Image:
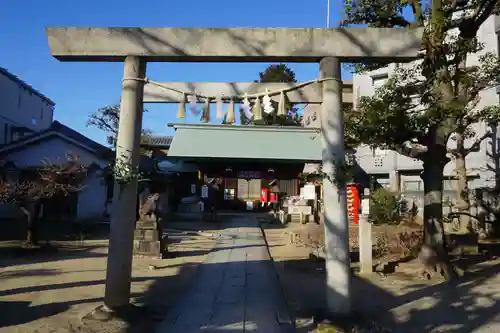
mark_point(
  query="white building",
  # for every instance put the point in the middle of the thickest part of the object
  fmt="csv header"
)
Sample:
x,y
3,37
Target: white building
x,y
23,110
403,173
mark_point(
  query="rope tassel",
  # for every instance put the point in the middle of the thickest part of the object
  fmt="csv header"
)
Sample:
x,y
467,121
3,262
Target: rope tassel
x,y
245,106
282,105
267,103
181,112
218,108
257,110
230,117
205,117
193,105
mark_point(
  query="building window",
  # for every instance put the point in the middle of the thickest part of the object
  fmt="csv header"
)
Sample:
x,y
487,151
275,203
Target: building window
x,y
41,113
380,152
498,43
385,183
378,156
229,193
378,162
379,81
16,136
415,185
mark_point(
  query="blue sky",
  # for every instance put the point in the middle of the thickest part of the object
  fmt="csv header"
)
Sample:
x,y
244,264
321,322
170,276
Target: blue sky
x,y
81,88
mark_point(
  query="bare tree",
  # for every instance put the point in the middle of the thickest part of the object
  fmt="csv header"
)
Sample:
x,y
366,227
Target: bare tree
x,y
107,119
41,183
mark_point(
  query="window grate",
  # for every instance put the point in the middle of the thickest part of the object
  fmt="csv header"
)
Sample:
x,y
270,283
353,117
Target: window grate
x,y
378,162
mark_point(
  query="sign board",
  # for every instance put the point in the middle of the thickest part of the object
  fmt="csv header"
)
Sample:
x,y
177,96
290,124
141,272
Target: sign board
x,y
249,205
249,174
309,192
204,191
193,189
306,210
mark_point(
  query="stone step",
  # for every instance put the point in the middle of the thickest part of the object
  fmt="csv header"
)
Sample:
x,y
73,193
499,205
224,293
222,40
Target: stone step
x,y
149,225
148,248
147,235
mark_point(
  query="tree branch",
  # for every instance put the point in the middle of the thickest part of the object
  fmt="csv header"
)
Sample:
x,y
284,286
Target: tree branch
x,y
417,12
409,149
470,26
476,145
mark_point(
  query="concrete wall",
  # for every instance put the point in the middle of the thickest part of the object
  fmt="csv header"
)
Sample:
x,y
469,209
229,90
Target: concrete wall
x,y
21,105
91,199
390,162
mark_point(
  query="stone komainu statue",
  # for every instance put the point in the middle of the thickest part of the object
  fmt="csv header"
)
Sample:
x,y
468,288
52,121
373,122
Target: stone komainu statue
x,y
148,205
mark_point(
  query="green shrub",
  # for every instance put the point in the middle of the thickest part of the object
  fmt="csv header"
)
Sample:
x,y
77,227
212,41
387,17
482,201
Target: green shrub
x,y
384,207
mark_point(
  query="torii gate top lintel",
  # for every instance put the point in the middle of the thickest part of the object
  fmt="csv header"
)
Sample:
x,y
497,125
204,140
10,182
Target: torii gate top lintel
x,y
235,44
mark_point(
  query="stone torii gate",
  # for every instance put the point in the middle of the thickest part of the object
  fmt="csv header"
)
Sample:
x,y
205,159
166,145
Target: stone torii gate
x,y
137,46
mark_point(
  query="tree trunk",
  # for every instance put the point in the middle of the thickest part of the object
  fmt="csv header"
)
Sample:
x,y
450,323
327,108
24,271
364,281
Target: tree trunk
x,y
462,187
31,225
462,190
434,241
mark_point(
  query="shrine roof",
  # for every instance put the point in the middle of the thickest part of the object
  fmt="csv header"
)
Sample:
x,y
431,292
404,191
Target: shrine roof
x,y
157,141
277,143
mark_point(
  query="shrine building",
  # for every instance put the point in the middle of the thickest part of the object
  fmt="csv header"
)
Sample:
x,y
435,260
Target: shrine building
x,y
240,159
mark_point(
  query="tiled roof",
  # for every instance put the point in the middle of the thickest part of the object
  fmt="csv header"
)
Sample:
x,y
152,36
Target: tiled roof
x,y
289,143
162,141
64,130
71,133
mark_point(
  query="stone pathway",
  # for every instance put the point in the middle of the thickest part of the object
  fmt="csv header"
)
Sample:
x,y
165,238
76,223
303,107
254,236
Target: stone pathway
x,y
236,289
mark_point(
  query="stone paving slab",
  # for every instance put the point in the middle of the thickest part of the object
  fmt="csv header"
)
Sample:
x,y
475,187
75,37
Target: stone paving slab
x,y
235,290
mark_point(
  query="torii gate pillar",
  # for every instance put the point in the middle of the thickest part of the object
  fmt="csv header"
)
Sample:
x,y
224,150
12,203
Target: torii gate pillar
x,y
338,280
123,217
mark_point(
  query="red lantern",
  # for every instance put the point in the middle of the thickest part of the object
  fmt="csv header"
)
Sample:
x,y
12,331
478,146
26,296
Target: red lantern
x,y
263,195
274,197
353,203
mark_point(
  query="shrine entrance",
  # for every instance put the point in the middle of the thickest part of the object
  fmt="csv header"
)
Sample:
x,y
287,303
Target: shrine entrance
x,y
328,47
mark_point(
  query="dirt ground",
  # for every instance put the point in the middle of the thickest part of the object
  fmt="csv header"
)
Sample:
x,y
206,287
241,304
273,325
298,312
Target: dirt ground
x,y
399,302
50,292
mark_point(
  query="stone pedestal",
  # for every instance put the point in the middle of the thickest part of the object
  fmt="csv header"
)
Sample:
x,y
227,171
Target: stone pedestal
x,y
365,245
148,240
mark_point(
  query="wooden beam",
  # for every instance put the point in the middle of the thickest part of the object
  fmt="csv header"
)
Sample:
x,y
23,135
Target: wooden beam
x,y
235,44
310,94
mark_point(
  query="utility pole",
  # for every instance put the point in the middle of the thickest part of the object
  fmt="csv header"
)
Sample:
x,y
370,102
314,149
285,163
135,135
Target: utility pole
x,y
328,14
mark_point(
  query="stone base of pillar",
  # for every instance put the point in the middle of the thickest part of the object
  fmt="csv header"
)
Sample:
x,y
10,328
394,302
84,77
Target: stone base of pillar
x,y
148,241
